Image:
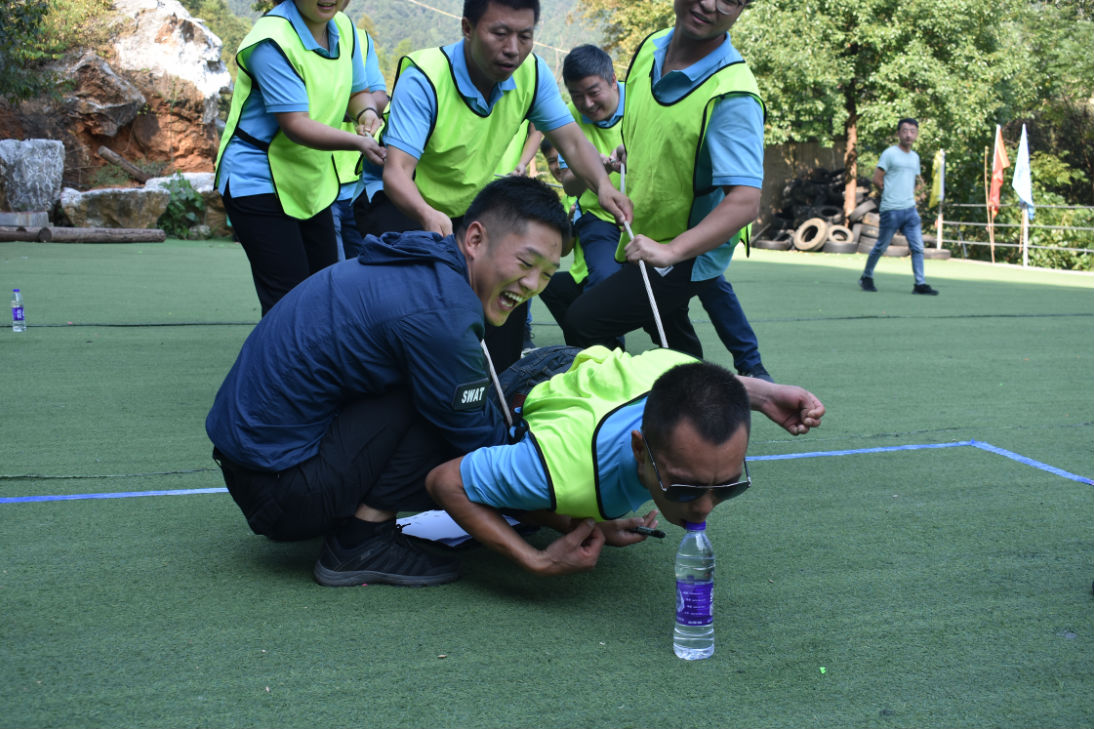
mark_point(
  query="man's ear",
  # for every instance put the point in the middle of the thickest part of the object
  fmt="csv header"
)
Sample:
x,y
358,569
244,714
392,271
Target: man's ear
x,y
466,28
637,447
474,240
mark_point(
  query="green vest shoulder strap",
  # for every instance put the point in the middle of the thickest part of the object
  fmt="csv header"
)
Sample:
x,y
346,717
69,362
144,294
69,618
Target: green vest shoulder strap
x,y
348,163
462,153
565,413
305,179
654,131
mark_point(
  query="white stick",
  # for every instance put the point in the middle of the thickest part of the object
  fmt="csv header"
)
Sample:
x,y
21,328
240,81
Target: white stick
x,y
642,268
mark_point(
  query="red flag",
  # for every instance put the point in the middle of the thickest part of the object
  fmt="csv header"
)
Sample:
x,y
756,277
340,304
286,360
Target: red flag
x,y
999,164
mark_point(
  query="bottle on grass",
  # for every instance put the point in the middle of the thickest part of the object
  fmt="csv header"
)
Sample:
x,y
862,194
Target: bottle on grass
x,y
18,323
693,637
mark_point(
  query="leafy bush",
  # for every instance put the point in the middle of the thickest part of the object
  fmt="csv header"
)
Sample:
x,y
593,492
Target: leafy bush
x,y
185,209
35,32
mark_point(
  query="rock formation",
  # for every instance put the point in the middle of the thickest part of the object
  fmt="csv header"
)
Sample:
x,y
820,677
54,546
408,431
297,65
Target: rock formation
x,y
155,101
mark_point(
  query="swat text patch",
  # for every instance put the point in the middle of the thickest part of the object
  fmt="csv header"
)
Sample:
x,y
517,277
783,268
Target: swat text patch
x,y
471,396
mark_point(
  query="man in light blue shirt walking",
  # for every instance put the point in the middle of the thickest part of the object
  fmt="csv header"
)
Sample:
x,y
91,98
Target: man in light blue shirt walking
x,y
896,176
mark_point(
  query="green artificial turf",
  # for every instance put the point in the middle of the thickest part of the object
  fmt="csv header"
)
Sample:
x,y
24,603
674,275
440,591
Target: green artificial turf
x,y
935,587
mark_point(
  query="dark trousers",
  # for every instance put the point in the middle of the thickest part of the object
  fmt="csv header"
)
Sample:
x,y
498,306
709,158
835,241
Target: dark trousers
x,y
729,320
377,451
382,216
283,251
619,304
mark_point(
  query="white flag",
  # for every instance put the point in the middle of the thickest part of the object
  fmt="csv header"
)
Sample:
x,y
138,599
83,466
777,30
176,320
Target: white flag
x,y
1023,179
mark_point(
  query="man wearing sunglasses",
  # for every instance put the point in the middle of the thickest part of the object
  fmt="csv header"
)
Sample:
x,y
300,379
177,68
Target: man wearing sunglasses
x,y
607,436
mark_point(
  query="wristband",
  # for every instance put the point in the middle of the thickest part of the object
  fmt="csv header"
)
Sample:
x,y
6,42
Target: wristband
x,y
357,119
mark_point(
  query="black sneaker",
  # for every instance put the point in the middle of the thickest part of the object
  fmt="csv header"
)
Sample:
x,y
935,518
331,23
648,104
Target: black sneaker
x,y
924,289
388,557
866,283
759,372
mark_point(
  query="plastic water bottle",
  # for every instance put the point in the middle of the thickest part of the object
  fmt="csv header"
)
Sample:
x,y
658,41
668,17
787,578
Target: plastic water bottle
x,y
693,637
18,323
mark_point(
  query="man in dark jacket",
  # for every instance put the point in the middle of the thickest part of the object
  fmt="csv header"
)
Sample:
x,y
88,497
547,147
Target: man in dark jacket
x,y
370,373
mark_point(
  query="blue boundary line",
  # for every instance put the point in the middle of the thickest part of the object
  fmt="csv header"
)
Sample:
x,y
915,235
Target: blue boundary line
x,y
988,447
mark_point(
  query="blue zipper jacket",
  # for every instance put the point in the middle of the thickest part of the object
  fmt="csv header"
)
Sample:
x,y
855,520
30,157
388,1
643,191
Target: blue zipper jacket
x,y
400,315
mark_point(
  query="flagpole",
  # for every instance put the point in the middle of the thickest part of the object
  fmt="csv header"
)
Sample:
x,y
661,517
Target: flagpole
x,y
987,206
1025,237
938,236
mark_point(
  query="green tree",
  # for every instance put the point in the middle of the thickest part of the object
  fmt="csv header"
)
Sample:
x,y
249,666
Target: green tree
x,y
20,23
850,69
36,32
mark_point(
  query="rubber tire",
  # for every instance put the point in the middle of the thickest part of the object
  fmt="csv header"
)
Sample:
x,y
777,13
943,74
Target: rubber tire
x,y
856,232
831,213
804,242
843,246
872,218
866,243
939,254
866,206
870,230
779,244
840,234
896,251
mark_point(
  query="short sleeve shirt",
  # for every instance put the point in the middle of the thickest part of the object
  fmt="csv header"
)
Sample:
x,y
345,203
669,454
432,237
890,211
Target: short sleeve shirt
x,y
901,170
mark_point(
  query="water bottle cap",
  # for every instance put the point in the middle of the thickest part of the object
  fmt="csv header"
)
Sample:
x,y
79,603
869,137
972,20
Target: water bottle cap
x,y
15,291
693,526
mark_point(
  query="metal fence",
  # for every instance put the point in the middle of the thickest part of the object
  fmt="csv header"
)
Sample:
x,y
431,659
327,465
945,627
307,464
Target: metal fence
x,y
1025,229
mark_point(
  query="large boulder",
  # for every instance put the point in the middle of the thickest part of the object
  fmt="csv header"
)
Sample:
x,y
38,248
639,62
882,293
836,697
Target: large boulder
x,y
102,102
30,174
118,207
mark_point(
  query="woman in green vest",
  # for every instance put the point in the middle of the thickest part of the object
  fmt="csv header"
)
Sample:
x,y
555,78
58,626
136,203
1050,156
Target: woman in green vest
x,y
301,74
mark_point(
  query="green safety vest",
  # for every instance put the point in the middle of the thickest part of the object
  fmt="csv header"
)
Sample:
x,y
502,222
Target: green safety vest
x,y
566,412
511,157
305,179
463,149
605,139
653,132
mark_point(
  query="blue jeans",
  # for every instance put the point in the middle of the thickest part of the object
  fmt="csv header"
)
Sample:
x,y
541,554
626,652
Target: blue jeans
x,y
530,370
731,324
906,221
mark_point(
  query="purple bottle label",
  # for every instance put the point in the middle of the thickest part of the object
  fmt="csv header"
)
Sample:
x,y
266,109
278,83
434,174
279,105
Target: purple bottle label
x,y
17,313
694,603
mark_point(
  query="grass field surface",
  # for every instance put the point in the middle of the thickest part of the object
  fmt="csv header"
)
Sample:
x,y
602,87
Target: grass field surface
x,y
924,559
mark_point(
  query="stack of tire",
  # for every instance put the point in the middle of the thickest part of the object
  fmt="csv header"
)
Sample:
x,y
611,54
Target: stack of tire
x,y
811,218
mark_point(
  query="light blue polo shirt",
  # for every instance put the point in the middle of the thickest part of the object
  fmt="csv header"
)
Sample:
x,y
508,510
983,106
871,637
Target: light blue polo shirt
x,y
414,104
733,150
277,89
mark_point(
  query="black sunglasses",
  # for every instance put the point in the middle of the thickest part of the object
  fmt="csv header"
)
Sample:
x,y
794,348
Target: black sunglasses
x,y
682,493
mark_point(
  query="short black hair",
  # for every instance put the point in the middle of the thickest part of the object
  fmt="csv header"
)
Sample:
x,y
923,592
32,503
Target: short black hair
x,y
473,10
546,147
907,120
707,395
584,61
514,201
